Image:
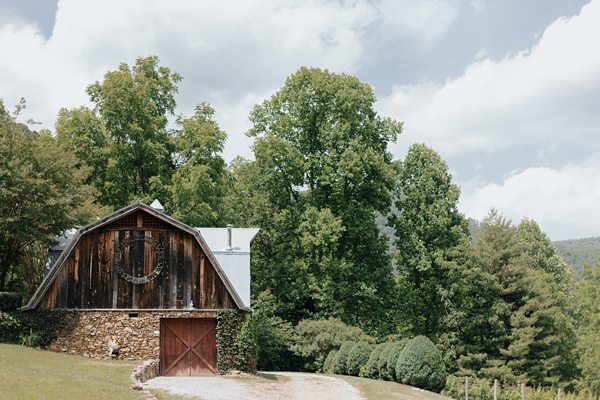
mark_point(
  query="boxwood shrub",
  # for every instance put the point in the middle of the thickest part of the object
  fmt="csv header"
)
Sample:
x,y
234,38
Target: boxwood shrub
x,y
394,353
382,362
420,364
341,358
329,360
372,368
358,356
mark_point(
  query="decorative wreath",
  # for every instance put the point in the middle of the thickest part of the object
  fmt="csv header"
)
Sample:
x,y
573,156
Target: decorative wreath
x,y
156,245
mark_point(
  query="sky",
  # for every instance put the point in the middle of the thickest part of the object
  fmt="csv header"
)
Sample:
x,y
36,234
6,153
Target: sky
x,y
508,92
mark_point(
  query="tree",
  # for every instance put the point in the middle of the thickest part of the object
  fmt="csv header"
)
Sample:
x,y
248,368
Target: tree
x,y
322,160
588,331
200,180
512,321
429,229
42,193
132,105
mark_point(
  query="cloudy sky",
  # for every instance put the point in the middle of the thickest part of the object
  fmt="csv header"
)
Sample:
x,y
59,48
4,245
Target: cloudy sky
x,y
508,91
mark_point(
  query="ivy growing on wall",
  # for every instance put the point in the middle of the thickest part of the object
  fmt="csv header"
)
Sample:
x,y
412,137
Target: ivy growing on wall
x,y
44,323
236,341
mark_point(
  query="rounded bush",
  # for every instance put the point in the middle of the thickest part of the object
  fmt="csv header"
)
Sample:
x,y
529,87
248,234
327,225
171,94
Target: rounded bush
x,y
328,364
357,358
9,327
394,353
372,368
382,362
341,358
420,364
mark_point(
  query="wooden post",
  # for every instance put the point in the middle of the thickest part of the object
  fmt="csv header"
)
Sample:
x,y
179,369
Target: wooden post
x,y
495,389
522,391
467,388
559,394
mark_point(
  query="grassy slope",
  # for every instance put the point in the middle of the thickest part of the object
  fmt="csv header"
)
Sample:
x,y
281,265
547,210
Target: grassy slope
x,y
373,389
27,373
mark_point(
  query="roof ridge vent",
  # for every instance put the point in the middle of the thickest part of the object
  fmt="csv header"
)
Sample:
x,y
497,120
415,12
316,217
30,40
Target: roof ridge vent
x,y
157,206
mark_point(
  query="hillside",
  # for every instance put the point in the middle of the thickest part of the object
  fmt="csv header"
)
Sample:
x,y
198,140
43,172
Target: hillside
x,y
579,252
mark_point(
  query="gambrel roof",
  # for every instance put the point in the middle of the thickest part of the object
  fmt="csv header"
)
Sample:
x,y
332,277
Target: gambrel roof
x,y
138,205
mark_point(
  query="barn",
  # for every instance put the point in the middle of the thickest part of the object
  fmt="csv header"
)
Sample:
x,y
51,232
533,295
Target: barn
x,y
145,285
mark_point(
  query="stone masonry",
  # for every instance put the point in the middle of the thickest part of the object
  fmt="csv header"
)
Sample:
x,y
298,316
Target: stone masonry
x,y
137,332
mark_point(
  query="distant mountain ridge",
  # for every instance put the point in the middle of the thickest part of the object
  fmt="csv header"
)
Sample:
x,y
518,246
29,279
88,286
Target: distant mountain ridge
x,y
579,252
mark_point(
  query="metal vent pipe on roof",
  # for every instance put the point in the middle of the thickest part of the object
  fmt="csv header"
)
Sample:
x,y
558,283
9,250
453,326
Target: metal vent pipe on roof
x,y
229,231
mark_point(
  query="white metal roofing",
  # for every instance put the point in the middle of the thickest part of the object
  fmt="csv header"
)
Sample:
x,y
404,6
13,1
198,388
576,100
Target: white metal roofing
x,y
216,239
234,261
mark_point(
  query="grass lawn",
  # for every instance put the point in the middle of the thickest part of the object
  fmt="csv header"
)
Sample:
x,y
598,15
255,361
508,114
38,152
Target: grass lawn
x,y
373,389
27,373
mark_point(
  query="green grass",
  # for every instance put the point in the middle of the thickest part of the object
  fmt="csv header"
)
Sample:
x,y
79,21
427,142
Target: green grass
x,y
373,389
27,373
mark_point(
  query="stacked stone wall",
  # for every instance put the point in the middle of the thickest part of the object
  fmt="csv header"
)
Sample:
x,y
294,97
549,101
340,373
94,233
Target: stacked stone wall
x,y
136,332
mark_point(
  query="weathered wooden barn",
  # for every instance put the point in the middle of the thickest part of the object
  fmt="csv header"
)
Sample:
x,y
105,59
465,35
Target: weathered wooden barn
x,y
149,286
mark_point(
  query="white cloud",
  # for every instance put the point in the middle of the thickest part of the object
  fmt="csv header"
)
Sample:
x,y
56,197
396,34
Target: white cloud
x,y
550,93
426,20
230,53
564,201
227,52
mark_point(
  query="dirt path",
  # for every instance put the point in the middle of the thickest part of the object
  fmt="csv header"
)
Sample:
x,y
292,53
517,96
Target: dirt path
x,y
272,386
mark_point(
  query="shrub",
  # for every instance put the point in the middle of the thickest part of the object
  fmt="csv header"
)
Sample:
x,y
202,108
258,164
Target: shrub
x,y
316,338
372,369
10,301
358,356
395,350
328,364
382,362
46,323
9,327
275,336
420,364
341,358
32,339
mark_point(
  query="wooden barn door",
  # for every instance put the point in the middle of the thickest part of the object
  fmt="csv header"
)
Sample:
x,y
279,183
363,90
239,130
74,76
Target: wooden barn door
x,y
188,346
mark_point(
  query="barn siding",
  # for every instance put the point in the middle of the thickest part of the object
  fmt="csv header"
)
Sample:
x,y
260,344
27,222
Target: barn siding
x,y
88,279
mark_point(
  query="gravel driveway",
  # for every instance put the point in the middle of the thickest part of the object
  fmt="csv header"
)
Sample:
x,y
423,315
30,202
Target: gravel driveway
x,y
272,386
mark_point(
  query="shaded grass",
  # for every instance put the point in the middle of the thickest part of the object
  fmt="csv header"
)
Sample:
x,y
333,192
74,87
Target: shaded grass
x,y
27,373
373,389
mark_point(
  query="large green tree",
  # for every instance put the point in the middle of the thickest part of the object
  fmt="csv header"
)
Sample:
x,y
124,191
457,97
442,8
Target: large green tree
x,y
512,318
200,179
42,193
431,239
125,138
322,162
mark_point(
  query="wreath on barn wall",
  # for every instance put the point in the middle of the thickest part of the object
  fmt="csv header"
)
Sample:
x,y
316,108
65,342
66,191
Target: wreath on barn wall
x,y
158,248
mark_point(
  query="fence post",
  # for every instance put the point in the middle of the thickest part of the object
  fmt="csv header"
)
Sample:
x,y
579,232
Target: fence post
x,y
559,394
522,391
467,388
496,389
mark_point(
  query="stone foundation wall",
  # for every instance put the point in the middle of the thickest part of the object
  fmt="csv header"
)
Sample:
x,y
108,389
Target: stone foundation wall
x,y
87,333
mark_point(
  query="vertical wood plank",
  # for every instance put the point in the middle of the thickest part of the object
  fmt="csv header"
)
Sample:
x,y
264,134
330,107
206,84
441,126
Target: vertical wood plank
x,y
173,270
115,275
202,288
187,265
